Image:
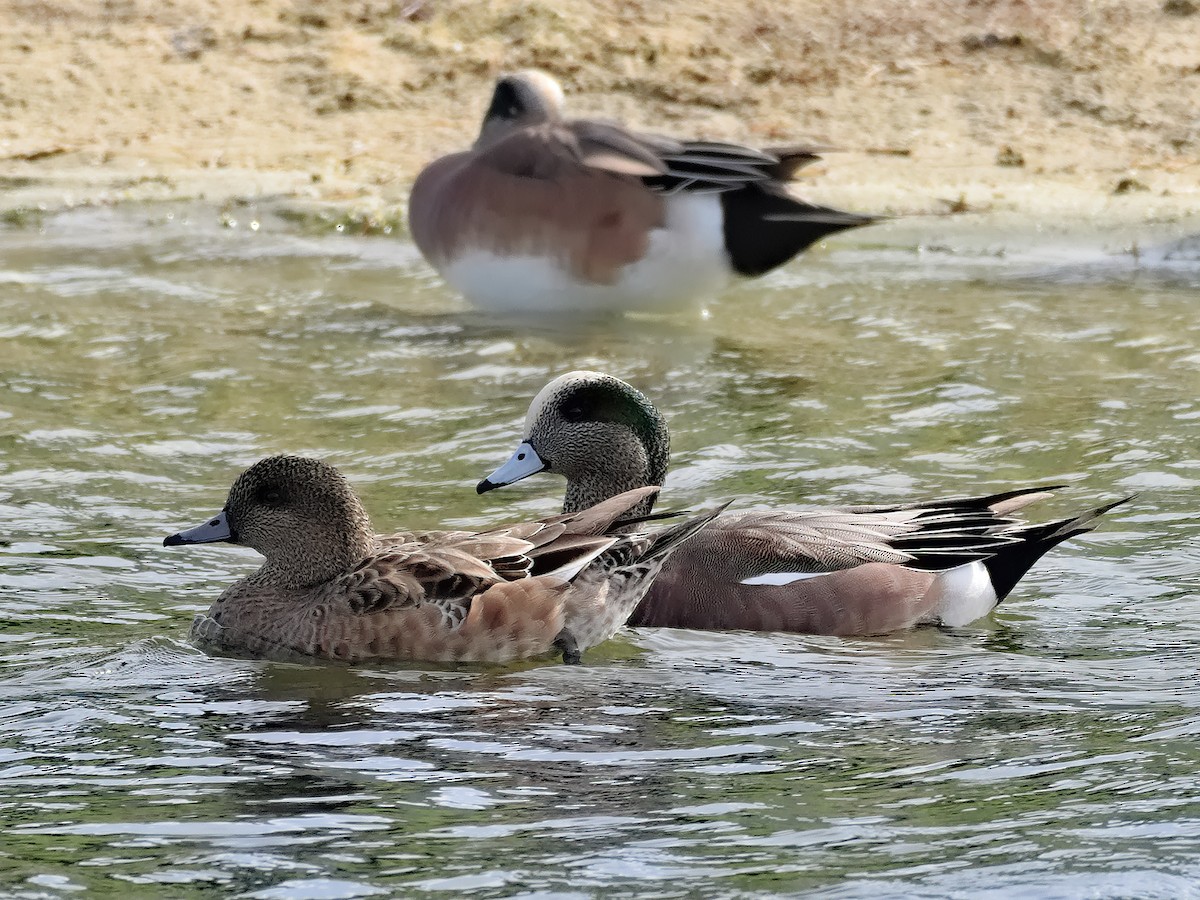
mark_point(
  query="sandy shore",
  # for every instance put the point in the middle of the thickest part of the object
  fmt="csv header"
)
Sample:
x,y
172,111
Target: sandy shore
x,y
1064,110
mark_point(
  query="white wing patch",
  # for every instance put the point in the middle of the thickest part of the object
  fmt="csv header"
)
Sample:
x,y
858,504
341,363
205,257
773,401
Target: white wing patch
x,y
782,578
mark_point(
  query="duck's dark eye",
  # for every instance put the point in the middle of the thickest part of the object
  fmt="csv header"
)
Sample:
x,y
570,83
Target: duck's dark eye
x,y
573,413
270,496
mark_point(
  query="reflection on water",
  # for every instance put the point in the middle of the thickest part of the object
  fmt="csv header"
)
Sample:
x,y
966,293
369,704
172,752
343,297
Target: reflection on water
x,y
148,354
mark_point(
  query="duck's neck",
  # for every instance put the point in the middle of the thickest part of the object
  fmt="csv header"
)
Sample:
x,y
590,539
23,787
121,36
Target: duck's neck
x,y
324,555
643,463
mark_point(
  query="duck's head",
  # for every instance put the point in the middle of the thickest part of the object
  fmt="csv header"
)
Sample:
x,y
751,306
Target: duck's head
x,y
299,513
520,100
603,435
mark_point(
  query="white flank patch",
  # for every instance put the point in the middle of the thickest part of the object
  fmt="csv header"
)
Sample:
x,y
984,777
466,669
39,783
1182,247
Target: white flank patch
x,y
685,262
963,594
782,578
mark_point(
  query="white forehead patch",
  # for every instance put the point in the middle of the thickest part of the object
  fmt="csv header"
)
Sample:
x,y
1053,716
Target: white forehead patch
x,y
545,87
550,391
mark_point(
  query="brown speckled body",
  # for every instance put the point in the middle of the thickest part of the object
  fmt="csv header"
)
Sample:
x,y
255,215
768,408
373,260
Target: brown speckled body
x,y
330,588
507,621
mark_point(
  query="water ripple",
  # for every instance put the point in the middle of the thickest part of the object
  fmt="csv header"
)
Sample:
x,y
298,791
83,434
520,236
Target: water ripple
x,y
1048,751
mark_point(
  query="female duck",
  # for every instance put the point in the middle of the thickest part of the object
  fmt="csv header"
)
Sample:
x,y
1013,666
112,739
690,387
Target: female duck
x,y
850,571
331,588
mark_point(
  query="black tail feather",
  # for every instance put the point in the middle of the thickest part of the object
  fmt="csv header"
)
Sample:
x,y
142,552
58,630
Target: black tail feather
x,y
765,226
992,500
958,504
1009,565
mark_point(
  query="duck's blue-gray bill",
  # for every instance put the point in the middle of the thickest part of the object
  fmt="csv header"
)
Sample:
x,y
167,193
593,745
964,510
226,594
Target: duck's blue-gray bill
x,y
523,463
212,531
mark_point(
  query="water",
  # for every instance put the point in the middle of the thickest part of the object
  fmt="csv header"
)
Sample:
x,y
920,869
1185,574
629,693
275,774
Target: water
x,y
148,354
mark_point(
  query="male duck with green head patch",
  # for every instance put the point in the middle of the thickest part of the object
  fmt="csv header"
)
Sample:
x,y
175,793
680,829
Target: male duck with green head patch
x,y
851,571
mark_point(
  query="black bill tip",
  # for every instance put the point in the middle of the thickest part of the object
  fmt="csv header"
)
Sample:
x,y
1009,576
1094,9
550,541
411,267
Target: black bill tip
x,y
484,486
173,540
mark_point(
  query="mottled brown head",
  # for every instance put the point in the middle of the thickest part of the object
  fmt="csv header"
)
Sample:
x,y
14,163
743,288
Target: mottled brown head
x,y
603,435
520,100
299,513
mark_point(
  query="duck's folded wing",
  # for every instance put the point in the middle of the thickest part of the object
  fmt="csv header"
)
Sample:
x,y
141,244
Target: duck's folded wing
x,y
451,568
716,166
412,576
559,545
757,543
556,152
611,148
530,549
793,158
670,165
605,515
1002,505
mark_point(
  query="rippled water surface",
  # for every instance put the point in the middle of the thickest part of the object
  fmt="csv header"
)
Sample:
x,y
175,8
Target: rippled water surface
x,y
146,355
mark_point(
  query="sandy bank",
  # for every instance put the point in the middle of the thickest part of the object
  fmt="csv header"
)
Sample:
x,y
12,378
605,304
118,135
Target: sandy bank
x,y
1062,110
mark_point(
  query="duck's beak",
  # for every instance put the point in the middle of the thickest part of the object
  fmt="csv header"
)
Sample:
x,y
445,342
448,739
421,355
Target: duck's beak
x,y
210,532
523,463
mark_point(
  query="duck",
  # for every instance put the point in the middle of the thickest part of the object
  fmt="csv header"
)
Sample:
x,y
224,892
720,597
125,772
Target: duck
x,y
544,214
851,571
330,588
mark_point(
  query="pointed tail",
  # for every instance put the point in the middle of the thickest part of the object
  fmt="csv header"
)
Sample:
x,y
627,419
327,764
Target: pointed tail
x,y
1009,564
